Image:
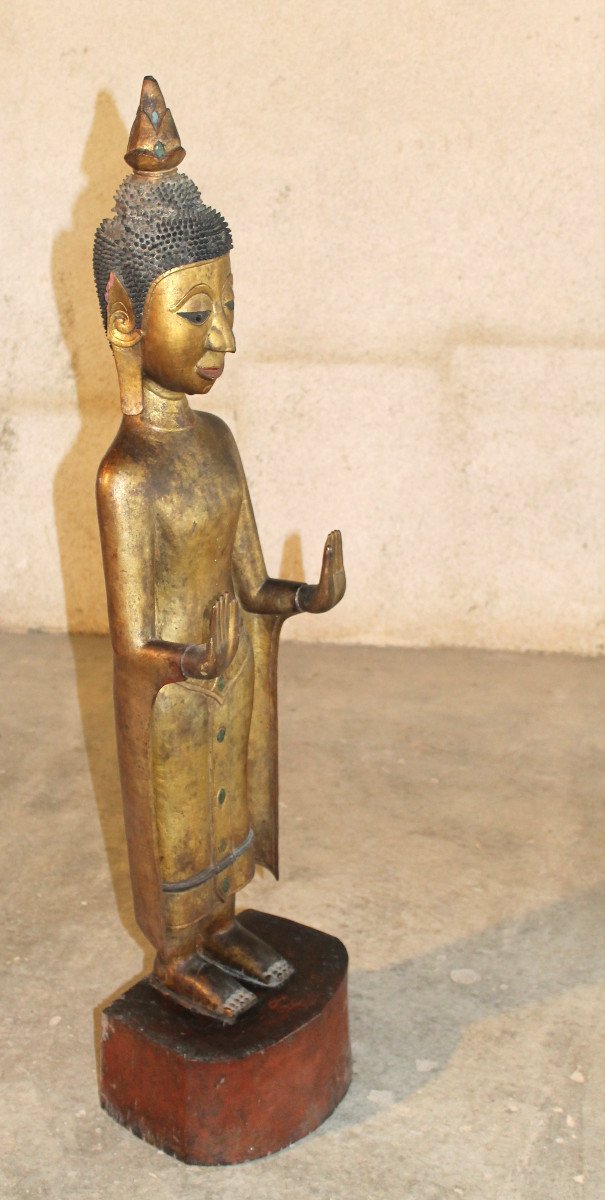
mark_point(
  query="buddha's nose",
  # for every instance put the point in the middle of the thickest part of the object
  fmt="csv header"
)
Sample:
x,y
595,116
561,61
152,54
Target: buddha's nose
x,y
220,336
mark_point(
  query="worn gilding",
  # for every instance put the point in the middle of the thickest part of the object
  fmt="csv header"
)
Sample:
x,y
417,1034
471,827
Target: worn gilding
x,y
195,624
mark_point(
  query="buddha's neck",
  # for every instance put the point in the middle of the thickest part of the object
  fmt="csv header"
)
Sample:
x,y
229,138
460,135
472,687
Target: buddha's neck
x,y
165,410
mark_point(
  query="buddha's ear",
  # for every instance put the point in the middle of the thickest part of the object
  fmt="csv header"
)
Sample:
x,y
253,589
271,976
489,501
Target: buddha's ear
x,y
125,341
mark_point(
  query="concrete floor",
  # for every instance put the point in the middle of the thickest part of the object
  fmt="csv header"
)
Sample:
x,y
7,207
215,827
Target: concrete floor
x,y
442,812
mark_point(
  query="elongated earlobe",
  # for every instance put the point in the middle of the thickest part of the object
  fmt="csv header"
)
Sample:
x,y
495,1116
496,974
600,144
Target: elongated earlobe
x,y
125,341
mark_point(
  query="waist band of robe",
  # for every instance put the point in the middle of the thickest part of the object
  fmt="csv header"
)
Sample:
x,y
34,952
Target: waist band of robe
x,y
203,876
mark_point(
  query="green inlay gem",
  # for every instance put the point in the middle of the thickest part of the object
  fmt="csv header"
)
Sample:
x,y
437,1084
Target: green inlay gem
x,y
222,796
220,737
224,887
221,683
159,150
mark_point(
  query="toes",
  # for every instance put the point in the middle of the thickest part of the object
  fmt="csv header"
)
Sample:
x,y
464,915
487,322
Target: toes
x,y
278,972
240,1001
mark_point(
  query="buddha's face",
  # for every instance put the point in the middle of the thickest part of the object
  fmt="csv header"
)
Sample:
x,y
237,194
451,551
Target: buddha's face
x,y
188,326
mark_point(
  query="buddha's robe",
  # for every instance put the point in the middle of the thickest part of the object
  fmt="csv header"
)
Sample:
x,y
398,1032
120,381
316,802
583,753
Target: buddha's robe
x,y
198,758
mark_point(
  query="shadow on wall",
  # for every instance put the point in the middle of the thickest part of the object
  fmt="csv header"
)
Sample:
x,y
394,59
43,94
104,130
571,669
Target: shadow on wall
x,y
292,566
93,373
74,487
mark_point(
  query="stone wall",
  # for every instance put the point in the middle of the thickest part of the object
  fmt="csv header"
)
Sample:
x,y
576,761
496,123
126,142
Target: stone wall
x,y
416,197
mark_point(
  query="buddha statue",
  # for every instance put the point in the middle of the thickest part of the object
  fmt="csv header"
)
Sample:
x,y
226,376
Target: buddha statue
x,y
194,618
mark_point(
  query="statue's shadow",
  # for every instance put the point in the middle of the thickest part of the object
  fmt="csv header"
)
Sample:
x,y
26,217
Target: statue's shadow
x,y
409,1019
99,413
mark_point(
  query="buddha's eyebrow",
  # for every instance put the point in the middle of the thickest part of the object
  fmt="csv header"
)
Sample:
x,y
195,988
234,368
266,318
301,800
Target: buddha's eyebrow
x,y
198,289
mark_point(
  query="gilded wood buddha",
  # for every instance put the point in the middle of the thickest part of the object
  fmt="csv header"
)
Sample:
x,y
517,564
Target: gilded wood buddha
x,y
194,618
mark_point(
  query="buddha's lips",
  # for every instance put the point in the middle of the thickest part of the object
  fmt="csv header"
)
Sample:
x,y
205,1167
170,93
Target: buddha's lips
x,y
210,372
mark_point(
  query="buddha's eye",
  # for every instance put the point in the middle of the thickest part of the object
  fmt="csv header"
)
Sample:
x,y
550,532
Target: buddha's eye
x,y
230,304
196,318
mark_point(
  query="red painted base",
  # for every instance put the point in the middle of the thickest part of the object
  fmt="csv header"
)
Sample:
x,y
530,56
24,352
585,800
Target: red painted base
x,y
210,1093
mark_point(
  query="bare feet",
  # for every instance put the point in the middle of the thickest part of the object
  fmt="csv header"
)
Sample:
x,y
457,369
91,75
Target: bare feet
x,y
202,987
242,953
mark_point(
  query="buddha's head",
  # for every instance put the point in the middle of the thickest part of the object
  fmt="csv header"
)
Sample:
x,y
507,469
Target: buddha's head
x,y
162,267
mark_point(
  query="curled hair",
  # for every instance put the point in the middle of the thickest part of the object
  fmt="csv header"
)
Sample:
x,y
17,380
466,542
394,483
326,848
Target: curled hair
x,y
157,226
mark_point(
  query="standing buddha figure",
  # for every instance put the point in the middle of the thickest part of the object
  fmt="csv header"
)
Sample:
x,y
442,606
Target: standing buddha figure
x,y
194,618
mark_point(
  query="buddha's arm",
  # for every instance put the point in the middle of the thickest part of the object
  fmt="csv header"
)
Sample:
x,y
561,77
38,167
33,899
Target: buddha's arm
x,y
126,525
259,593
127,539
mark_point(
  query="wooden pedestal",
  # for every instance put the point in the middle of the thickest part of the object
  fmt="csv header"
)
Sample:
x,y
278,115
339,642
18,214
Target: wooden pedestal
x,y
212,1093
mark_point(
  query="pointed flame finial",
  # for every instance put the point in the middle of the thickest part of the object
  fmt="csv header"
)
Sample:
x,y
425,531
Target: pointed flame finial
x,y
154,143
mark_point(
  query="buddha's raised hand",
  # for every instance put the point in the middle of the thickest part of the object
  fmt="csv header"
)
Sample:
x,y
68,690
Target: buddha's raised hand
x,y
211,658
320,597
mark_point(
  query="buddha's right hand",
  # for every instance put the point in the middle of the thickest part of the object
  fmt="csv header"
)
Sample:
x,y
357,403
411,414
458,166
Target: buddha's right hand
x,y
211,658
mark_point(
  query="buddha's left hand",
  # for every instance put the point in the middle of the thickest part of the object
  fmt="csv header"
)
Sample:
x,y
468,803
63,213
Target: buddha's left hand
x,y
322,596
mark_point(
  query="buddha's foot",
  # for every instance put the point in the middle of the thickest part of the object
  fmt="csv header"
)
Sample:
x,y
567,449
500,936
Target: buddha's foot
x,y
203,988
245,955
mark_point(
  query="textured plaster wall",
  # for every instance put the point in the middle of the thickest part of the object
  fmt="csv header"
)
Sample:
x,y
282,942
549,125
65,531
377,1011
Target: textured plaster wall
x,y
416,197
